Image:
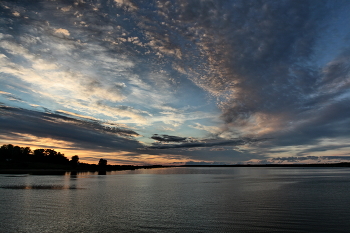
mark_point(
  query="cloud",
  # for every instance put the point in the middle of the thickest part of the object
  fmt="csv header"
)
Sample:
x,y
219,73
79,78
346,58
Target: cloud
x,y
62,31
17,14
81,134
254,58
304,159
67,8
75,89
203,163
126,4
199,143
10,96
168,138
211,129
336,146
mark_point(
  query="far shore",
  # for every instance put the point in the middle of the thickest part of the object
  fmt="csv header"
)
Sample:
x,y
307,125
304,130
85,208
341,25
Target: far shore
x,y
44,171
343,164
123,168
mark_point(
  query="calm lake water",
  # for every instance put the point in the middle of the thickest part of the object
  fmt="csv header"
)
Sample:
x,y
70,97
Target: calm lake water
x,y
237,199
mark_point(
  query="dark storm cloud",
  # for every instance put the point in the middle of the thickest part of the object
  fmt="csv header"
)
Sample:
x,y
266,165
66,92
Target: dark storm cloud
x,y
91,124
206,143
85,135
168,138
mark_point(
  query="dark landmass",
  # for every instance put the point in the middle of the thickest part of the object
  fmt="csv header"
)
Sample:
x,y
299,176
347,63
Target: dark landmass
x,y
22,160
46,171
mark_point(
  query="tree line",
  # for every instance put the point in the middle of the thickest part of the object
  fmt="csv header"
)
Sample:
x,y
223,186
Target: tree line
x,y
23,157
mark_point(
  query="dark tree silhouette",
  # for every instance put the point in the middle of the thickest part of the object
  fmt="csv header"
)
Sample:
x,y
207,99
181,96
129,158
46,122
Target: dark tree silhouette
x,y
26,150
49,156
15,157
74,161
14,153
102,163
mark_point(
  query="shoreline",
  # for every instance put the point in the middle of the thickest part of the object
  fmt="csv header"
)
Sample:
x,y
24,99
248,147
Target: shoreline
x,y
343,164
104,171
49,171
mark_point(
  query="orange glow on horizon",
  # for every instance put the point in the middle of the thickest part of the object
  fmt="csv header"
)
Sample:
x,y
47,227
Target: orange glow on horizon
x,y
90,156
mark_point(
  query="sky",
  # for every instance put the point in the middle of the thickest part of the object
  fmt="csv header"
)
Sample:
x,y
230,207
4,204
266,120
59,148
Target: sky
x,y
177,82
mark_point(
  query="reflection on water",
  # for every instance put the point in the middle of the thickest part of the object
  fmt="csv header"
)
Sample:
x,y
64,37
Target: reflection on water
x,y
179,200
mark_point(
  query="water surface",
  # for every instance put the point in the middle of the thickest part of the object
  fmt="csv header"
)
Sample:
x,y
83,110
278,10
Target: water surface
x,y
233,199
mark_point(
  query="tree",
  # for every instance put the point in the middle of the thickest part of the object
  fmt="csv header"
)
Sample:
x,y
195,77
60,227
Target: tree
x,y
74,161
14,153
49,156
39,152
102,163
6,152
26,151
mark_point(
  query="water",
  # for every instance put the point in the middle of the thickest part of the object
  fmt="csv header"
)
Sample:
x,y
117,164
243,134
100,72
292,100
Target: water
x,y
237,199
